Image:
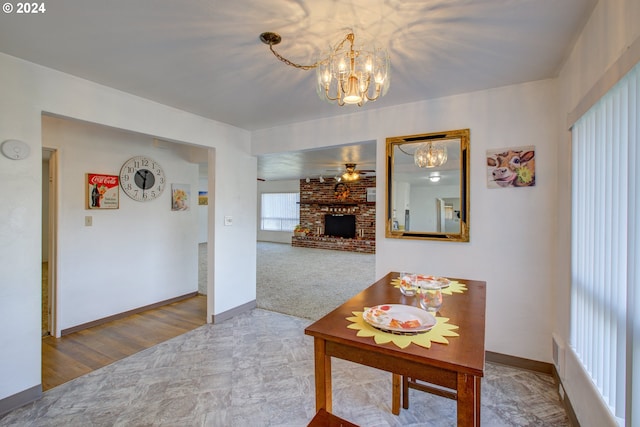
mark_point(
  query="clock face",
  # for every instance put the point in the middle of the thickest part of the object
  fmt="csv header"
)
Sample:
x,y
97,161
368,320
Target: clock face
x,y
142,178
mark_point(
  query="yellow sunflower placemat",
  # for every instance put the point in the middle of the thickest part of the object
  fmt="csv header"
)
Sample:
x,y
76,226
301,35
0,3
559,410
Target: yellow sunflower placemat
x,y
438,333
454,286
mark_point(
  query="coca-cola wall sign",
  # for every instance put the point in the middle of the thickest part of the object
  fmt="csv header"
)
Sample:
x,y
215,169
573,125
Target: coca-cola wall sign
x,y
102,191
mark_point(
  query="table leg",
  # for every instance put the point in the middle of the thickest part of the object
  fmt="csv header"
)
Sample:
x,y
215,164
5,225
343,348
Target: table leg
x,y
477,399
405,392
468,400
395,393
322,376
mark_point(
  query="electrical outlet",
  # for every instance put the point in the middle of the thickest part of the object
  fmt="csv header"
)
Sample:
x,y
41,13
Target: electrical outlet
x,y
88,221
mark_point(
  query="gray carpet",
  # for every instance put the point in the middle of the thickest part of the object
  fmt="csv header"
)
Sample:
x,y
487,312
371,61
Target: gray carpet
x,y
308,283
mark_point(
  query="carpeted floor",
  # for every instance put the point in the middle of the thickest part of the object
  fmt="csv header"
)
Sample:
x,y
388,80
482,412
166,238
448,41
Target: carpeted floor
x,y
308,283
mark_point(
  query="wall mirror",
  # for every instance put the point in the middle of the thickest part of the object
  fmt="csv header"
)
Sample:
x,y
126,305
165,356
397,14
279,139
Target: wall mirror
x,y
427,178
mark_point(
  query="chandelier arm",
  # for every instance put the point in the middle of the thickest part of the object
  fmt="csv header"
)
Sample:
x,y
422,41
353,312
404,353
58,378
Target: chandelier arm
x,y
326,92
377,95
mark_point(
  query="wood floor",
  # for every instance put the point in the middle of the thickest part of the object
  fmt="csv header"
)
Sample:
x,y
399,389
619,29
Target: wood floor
x,y
73,355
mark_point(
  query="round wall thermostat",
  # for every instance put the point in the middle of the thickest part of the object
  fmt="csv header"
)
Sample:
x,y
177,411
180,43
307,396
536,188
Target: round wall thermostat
x,y
15,150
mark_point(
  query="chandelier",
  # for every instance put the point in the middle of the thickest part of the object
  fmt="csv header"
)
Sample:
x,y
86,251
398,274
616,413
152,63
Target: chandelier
x,y
430,155
345,75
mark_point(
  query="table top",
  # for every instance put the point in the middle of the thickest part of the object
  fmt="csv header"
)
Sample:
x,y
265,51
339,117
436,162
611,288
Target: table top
x,y
466,310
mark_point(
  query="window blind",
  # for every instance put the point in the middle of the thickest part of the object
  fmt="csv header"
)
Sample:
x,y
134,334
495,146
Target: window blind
x,y
279,211
605,236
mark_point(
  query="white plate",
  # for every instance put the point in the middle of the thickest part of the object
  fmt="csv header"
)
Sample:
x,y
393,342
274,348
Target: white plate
x,y
442,281
399,318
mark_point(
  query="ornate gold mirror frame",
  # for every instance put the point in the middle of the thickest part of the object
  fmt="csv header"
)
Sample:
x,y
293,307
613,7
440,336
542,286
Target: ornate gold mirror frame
x,y
428,198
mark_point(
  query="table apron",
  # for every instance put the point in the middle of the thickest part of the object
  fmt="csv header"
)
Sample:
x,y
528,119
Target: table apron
x,y
409,368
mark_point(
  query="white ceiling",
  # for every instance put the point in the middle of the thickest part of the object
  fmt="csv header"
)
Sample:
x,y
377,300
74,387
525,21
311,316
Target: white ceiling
x,y
205,57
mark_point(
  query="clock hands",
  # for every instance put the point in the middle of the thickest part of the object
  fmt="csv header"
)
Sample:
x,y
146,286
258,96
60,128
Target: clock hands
x,y
143,174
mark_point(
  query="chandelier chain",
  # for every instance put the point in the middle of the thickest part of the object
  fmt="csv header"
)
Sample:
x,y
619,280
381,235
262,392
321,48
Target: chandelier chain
x,y
293,64
349,36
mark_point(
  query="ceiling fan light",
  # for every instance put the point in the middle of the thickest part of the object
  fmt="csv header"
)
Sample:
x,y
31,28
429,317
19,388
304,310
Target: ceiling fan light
x,y
351,176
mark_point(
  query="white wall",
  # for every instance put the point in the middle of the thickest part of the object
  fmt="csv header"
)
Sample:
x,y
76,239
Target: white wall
x,y
424,201
512,243
137,255
288,186
27,91
607,37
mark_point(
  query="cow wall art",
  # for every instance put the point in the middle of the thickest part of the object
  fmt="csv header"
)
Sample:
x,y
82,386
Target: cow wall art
x,y
511,167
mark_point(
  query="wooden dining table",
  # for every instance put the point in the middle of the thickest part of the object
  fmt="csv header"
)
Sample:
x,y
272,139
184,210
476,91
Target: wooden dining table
x,y
455,368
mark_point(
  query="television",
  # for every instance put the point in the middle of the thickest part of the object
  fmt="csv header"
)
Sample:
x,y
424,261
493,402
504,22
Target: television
x,y
340,226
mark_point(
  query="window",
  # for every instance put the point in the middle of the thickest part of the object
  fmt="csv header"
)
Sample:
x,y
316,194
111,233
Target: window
x,y
280,211
606,244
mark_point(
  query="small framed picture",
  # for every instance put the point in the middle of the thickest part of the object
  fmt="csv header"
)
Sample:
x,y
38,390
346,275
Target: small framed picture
x,y
180,197
511,167
371,194
203,197
103,191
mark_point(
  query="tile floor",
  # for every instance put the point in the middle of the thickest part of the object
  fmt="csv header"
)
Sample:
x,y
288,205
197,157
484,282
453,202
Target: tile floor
x,y
257,370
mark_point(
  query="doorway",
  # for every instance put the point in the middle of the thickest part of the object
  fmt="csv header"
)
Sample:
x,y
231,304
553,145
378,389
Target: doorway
x,y
49,238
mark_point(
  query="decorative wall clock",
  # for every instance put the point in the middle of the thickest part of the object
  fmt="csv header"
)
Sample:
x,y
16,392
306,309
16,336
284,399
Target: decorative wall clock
x,y
142,178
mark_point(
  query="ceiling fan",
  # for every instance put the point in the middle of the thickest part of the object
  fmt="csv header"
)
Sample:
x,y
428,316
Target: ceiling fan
x,y
353,174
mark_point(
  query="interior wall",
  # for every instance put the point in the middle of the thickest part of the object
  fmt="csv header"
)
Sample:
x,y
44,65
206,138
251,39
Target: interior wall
x,y
284,186
512,230
139,254
607,37
425,198
29,90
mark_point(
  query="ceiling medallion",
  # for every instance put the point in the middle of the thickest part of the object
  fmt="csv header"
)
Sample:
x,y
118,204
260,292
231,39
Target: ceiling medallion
x,y
345,75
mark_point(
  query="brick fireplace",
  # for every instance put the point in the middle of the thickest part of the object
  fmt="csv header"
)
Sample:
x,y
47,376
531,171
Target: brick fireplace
x,y
317,200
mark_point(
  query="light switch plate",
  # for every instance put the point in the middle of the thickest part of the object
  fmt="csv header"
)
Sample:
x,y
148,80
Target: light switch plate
x,y
228,220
